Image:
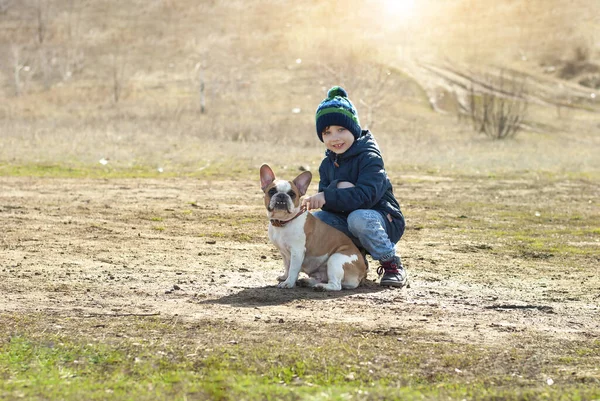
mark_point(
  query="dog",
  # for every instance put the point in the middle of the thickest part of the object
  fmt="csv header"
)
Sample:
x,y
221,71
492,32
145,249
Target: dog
x,y
326,255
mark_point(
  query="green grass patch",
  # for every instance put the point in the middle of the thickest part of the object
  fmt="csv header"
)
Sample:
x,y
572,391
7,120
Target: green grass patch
x,y
214,235
80,171
516,228
229,170
247,169
91,359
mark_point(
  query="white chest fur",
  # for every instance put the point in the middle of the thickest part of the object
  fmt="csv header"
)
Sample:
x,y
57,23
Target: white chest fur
x,y
291,237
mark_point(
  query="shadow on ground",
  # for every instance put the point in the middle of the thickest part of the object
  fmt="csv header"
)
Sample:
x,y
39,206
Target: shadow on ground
x,y
272,295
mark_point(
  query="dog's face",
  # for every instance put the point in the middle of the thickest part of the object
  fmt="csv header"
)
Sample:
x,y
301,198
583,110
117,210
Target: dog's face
x,y
282,198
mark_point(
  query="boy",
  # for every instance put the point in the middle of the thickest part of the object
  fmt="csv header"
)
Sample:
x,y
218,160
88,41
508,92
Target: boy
x,y
355,194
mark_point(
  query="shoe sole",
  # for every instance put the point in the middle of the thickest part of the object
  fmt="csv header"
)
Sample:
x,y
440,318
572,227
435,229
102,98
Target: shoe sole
x,y
395,284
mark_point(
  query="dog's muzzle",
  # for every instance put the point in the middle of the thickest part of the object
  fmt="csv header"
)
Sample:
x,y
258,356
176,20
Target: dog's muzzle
x,y
281,202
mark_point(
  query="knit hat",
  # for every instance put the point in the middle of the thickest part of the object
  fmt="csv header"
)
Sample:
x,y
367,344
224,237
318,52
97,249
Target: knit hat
x,y
337,109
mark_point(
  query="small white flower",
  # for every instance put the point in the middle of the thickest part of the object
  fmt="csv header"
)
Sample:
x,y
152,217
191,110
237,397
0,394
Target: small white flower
x,y
537,214
296,110
104,161
550,381
298,61
160,169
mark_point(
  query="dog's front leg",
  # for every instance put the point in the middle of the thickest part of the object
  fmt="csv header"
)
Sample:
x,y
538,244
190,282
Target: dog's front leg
x,y
296,258
286,267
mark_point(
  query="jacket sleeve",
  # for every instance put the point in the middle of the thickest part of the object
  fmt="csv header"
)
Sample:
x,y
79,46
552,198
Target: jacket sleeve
x,y
368,190
323,178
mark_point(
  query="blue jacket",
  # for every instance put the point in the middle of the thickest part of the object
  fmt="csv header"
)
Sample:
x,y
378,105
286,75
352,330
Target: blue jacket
x,y
362,165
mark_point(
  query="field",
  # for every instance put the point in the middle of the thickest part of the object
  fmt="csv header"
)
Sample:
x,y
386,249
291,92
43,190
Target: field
x,y
134,258
165,288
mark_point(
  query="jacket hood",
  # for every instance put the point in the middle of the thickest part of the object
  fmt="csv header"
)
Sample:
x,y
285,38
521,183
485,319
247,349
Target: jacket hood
x,y
365,143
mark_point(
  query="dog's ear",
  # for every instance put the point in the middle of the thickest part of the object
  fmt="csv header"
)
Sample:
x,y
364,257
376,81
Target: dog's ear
x,y
266,176
303,181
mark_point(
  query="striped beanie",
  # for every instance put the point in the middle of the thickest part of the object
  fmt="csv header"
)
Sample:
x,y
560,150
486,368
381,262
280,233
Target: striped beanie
x,y
337,109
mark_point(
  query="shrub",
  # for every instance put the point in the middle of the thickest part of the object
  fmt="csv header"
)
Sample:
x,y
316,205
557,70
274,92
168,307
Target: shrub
x,y
498,105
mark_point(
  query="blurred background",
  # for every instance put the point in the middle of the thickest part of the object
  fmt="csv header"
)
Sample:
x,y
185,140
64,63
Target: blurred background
x,y
213,87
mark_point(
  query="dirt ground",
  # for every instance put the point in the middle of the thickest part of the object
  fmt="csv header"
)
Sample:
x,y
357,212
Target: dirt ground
x,y
199,250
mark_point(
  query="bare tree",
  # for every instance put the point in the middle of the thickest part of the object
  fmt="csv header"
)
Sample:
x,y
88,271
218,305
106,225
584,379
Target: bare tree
x,y
22,71
498,107
73,59
56,62
376,94
371,83
117,75
201,86
5,5
41,10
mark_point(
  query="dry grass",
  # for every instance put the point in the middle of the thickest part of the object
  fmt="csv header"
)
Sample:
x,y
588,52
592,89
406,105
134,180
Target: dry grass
x,y
258,62
475,244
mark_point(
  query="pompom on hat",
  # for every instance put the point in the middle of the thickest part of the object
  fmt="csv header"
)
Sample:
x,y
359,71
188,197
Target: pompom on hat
x,y
337,109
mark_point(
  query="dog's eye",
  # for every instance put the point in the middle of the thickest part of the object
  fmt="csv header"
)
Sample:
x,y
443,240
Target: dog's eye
x,y
292,194
272,191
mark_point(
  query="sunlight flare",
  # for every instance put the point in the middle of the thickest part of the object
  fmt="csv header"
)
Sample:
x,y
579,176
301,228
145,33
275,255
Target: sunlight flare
x,y
402,9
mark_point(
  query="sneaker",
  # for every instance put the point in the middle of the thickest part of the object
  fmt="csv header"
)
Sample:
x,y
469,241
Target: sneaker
x,y
393,272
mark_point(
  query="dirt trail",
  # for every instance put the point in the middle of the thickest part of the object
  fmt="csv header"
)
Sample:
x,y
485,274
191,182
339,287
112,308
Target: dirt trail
x,y
448,87
199,250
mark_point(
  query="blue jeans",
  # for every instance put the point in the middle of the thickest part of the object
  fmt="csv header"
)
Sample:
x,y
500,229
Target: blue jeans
x,y
366,228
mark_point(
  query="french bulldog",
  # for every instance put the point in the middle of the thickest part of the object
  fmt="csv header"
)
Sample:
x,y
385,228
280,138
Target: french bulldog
x,y
326,255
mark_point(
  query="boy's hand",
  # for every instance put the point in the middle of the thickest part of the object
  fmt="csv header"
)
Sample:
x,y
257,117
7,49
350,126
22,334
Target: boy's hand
x,y
314,202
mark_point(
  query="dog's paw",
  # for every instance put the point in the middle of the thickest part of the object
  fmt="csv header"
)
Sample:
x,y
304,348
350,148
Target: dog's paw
x,y
303,282
286,284
327,287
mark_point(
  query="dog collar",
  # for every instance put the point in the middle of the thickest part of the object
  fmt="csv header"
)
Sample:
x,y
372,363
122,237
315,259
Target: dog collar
x,y
281,223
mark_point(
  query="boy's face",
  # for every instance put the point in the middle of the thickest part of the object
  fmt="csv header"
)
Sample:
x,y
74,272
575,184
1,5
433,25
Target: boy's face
x,y
337,139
